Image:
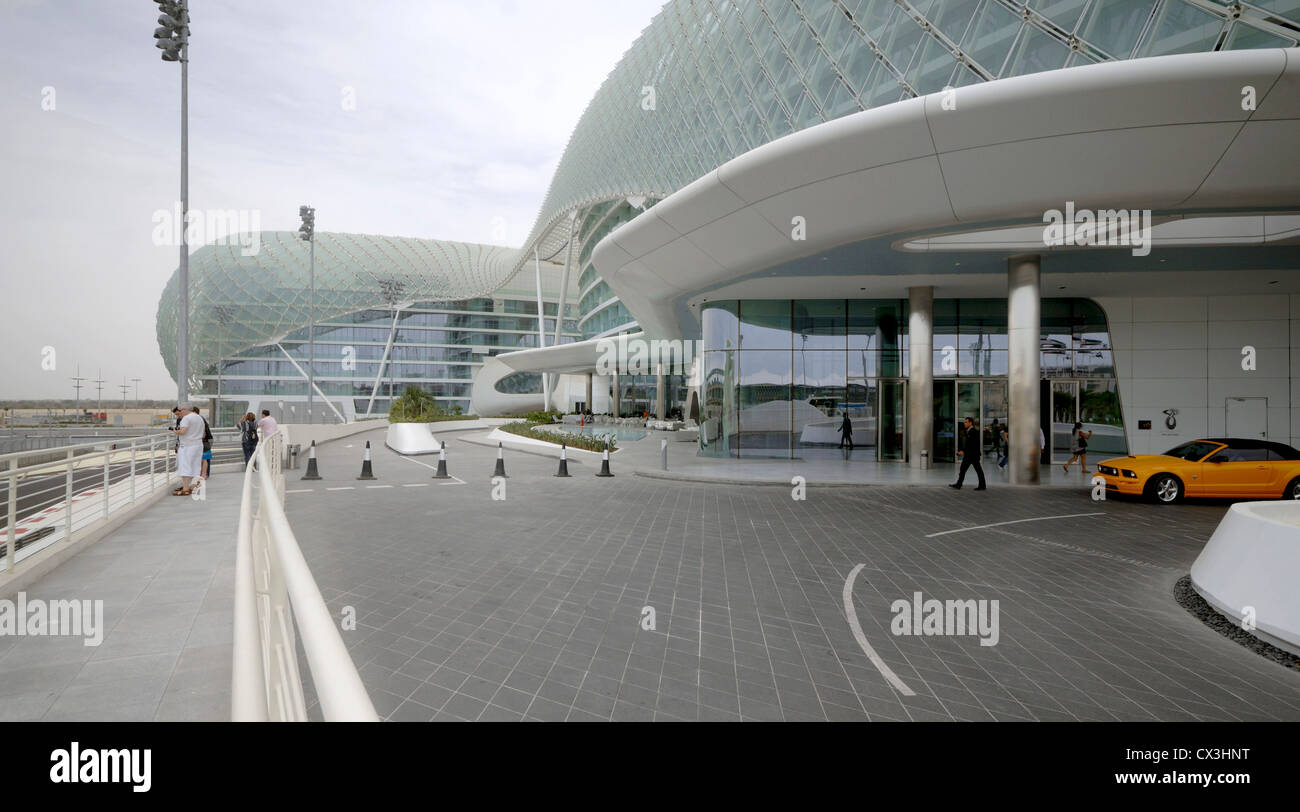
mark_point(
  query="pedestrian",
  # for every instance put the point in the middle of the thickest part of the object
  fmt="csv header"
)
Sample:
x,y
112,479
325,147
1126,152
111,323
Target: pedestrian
x,y
189,454
1079,447
846,432
1006,446
972,445
248,435
207,444
267,424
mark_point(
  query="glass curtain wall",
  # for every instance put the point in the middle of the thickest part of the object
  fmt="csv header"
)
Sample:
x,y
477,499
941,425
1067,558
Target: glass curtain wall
x,y
780,376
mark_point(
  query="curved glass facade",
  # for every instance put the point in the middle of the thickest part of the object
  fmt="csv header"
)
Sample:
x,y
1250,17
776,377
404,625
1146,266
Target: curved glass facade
x,y
705,82
779,376
709,80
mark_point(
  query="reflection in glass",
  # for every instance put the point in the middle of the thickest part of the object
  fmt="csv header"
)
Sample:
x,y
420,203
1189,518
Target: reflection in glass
x,y
721,326
765,325
945,430
819,324
763,399
996,410
1099,410
893,425
718,403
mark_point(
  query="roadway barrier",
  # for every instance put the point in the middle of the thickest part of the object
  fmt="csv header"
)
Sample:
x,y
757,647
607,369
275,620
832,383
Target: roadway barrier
x,y
50,501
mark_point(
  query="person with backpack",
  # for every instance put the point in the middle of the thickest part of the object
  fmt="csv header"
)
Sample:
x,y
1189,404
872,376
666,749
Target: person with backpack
x,y
248,435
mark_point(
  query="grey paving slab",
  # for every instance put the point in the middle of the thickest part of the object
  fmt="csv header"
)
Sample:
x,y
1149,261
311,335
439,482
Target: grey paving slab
x,y
165,579
540,596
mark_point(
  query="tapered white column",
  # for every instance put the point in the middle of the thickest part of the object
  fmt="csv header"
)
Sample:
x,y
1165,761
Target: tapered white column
x,y
661,384
590,405
1024,318
920,379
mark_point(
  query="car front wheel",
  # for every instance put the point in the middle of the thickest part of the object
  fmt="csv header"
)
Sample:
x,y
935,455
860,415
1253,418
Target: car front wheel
x,y
1166,489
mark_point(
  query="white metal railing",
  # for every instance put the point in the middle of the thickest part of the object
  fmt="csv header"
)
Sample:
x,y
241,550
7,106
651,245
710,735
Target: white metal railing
x,y
277,599
52,494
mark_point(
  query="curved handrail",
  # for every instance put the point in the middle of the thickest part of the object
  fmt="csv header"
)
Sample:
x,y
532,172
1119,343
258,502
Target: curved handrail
x,y
277,601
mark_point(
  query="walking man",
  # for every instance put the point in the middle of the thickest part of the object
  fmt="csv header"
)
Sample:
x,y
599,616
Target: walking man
x,y
971,446
846,432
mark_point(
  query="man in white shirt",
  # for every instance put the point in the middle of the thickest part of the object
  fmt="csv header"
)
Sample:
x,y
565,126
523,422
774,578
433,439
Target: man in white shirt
x,y
267,424
189,454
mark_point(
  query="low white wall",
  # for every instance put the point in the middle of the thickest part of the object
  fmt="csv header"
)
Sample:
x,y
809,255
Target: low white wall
x,y
411,438
1251,561
305,433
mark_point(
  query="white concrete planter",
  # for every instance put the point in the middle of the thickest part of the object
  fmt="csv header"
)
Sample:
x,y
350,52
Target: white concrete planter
x,y
1251,561
411,438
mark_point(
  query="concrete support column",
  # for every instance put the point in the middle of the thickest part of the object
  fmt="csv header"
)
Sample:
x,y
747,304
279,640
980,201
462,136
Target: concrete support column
x,y
590,405
920,380
1024,319
618,396
661,400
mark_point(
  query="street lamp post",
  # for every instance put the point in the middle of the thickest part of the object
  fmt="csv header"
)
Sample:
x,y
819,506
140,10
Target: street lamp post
x,y
173,39
307,230
137,391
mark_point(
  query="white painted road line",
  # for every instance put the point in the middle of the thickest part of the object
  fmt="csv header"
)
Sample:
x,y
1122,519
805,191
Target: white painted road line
x,y
416,485
344,488
1013,521
379,486
301,490
458,480
885,670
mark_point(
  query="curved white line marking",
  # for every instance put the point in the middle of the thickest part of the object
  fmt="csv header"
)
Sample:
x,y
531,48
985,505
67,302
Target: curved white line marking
x,y
1013,521
885,670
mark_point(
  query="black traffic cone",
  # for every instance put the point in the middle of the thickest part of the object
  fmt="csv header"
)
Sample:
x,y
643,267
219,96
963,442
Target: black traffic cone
x,y
441,473
312,473
604,463
564,462
500,470
366,472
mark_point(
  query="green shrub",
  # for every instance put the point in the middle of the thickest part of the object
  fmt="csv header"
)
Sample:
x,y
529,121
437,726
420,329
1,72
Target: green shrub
x,y
417,406
583,441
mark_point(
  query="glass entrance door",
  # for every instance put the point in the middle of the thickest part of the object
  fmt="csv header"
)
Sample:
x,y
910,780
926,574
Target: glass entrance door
x,y
1065,410
945,427
893,420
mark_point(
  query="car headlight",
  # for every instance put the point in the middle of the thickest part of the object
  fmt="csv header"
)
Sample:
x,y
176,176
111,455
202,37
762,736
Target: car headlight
x,y
1129,474
1106,469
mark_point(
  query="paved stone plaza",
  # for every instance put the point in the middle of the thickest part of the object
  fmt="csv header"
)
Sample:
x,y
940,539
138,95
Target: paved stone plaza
x,y
531,608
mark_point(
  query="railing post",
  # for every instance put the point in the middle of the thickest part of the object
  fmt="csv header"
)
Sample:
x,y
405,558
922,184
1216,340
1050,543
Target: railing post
x,y
152,440
133,472
11,550
106,459
67,498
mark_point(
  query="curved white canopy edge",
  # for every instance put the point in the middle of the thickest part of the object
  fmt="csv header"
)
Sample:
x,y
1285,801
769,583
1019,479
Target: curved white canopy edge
x,y
1170,134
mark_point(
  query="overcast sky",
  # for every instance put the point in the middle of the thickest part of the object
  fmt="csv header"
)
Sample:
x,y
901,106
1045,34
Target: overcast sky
x,y
462,110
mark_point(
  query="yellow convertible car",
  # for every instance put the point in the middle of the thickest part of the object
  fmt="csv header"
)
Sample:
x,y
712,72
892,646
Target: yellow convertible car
x,y
1231,468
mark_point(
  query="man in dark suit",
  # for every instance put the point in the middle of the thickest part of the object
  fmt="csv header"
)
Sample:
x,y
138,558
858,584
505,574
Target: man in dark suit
x,y
972,446
846,432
